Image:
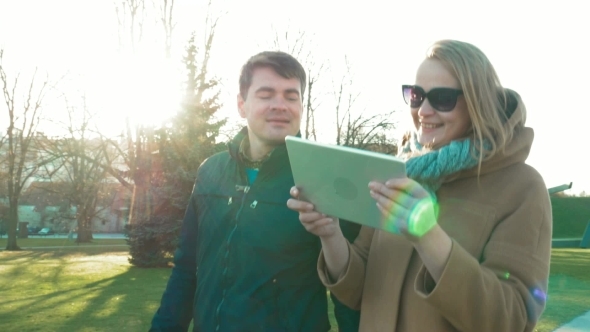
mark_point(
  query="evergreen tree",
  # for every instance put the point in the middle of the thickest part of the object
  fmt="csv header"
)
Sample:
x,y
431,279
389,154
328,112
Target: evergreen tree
x,y
183,146
193,135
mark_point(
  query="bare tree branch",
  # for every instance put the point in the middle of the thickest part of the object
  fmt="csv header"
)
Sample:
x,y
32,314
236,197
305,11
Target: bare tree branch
x,y
298,45
84,166
166,10
20,138
355,128
135,11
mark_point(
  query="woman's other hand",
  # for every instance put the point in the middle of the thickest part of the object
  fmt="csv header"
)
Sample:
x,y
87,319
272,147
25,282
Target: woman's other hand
x,y
314,222
334,245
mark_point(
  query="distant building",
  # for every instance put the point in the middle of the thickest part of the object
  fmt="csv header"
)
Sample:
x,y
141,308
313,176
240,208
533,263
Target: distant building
x,y
43,202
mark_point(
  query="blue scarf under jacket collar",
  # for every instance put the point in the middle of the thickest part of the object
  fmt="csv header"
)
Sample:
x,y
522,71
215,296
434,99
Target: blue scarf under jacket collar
x,y
430,168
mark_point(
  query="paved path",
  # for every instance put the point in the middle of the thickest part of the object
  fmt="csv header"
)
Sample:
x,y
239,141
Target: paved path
x,y
578,324
65,236
74,247
96,236
58,237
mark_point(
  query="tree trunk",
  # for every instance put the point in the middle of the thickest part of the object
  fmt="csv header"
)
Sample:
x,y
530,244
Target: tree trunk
x,y
142,207
12,223
84,236
84,227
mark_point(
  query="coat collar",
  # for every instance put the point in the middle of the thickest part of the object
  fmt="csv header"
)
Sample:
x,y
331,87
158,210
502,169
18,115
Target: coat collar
x,y
278,156
516,151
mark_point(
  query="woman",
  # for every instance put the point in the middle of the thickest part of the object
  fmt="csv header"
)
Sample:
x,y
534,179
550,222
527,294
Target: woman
x,y
473,221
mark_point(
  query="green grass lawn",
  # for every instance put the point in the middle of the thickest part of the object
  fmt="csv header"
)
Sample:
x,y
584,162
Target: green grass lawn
x,y
76,290
95,289
569,287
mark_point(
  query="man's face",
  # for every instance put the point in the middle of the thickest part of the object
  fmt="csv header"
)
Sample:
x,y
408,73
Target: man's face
x,y
272,107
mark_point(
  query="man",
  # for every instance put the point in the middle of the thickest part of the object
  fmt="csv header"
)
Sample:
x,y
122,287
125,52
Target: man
x,y
244,262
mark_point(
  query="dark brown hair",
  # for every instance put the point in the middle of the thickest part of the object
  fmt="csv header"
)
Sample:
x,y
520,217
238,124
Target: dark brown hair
x,y
282,63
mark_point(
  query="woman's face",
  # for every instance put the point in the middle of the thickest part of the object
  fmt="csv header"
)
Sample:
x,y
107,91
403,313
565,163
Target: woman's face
x,y
434,127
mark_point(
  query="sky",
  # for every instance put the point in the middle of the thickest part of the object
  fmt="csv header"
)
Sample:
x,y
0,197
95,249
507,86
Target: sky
x,y
538,49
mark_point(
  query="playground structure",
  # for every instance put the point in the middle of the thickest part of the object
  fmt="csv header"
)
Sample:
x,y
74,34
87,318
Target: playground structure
x,y
583,242
555,190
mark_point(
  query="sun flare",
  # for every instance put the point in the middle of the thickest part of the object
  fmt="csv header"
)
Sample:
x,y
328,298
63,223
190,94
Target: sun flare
x,y
147,91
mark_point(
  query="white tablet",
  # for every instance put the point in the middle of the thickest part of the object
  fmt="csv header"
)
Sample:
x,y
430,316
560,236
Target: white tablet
x,y
335,178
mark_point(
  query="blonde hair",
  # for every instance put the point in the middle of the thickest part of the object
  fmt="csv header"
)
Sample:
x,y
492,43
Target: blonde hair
x,y
487,101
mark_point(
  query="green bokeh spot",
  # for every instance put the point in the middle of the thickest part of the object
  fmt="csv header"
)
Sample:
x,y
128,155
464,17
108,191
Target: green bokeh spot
x,y
418,225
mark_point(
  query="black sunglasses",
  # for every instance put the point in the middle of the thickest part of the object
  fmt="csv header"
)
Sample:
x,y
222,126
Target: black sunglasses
x,y
441,99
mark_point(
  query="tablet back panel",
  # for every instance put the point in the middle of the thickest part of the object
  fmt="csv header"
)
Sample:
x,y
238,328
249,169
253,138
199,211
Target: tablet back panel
x,y
335,178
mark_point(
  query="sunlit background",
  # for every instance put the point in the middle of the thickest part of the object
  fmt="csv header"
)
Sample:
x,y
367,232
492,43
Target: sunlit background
x,y
538,49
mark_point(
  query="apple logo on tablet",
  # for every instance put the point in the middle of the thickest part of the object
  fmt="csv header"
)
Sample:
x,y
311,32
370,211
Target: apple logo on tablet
x,y
345,188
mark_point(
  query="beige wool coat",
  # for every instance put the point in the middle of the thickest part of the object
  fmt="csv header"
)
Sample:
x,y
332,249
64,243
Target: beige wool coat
x,y
496,276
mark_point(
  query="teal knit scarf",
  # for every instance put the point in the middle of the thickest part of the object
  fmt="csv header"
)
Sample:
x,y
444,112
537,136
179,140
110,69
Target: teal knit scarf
x,y
430,168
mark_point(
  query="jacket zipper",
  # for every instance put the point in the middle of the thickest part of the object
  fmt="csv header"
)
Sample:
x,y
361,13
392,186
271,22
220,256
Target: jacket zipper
x,y
244,189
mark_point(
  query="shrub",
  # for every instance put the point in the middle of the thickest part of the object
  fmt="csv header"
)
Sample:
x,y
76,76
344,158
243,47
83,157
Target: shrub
x,y
152,242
